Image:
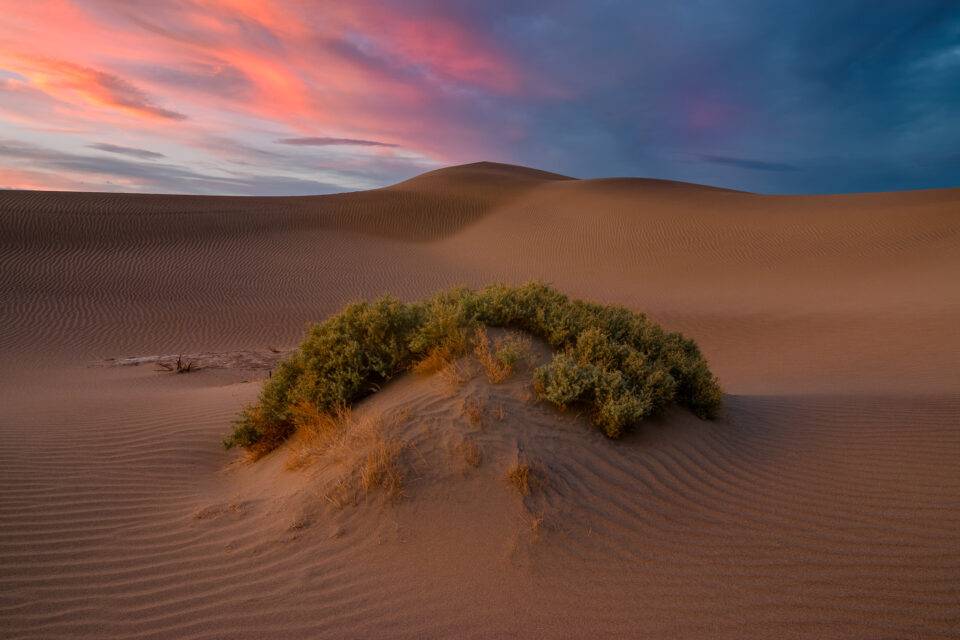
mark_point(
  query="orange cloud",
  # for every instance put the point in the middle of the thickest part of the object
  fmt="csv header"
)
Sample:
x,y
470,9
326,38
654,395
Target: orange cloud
x,y
58,77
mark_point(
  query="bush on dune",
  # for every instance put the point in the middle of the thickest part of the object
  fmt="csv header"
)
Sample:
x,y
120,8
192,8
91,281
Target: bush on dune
x,y
614,361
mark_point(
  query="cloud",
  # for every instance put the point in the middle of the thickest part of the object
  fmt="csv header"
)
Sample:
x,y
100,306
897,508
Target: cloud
x,y
120,93
332,142
746,163
128,151
120,174
213,77
59,78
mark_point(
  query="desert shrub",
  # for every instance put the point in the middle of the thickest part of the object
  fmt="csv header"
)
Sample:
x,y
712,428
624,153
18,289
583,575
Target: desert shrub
x,y
341,360
565,381
613,361
619,381
443,333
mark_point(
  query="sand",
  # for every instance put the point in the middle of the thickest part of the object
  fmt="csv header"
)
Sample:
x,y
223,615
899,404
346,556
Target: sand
x,y
825,502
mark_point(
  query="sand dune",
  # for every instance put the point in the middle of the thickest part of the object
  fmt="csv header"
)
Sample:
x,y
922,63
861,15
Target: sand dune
x,y
822,504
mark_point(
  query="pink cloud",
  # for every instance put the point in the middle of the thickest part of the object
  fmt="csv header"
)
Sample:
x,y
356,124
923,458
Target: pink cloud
x,y
351,70
63,79
11,178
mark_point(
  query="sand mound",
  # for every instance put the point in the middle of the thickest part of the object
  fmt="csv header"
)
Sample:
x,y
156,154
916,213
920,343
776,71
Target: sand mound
x,y
420,440
821,503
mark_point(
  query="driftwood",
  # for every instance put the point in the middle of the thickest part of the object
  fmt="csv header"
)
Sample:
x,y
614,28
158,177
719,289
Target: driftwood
x,y
179,367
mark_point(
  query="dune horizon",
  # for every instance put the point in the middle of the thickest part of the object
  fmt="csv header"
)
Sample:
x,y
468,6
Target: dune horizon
x,y
820,502
491,163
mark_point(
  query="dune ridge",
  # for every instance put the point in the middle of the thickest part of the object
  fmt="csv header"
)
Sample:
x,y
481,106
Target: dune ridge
x,y
822,503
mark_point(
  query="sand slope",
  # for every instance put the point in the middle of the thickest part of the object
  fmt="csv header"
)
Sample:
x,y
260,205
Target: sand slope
x,y
823,504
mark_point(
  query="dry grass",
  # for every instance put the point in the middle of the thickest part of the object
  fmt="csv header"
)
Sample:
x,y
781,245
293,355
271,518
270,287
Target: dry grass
x,y
444,354
454,375
495,371
263,446
474,410
520,477
371,460
500,413
500,361
436,360
254,453
340,494
381,469
471,452
317,432
535,521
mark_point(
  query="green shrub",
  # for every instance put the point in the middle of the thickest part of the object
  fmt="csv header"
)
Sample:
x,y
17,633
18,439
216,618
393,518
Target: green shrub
x,y
565,381
612,360
341,360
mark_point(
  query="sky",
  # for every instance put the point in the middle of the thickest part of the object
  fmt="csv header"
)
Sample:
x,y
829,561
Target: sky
x,y
252,97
